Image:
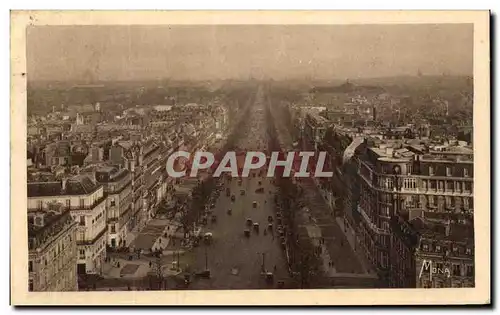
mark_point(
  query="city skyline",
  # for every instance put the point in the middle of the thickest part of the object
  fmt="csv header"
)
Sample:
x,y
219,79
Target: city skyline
x,y
127,53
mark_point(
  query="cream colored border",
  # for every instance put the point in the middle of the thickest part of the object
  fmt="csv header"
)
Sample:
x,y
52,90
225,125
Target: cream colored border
x,y
480,294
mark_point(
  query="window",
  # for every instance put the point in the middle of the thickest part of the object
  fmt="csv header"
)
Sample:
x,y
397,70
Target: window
x,y
40,204
30,285
466,203
384,260
441,185
82,203
425,247
448,171
466,172
409,167
113,229
469,271
468,251
456,270
385,226
30,266
431,170
82,220
449,186
382,240
468,187
448,201
112,202
433,184
385,210
431,200
68,203
438,248
82,253
82,235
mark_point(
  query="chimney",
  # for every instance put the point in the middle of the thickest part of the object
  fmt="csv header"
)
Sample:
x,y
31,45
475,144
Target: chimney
x,y
389,151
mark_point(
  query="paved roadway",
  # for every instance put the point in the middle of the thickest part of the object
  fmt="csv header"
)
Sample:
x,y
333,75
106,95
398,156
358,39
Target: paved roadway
x,y
236,261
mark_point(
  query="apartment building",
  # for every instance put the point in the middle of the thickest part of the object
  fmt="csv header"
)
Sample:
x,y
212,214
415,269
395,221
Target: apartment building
x,y
431,251
85,200
117,185
52,250
397,176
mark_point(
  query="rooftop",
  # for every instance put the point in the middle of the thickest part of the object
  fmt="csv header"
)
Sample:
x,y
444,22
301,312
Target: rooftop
x,y
433,230
78,185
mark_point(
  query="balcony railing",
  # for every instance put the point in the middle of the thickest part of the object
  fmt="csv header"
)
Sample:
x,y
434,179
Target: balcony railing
x,y
370,223
80,207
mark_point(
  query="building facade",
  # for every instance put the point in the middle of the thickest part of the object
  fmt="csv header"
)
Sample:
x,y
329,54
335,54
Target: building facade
x,y
396,177
84,199
117,185
429,252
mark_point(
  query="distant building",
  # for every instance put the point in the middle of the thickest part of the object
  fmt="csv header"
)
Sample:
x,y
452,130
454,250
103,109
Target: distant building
x,y
162,108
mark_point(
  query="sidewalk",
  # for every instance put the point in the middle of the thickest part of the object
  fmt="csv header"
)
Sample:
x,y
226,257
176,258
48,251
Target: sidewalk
x,y
348,232
335,246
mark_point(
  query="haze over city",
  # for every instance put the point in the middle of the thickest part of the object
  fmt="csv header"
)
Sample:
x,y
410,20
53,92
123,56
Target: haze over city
x,y
95,53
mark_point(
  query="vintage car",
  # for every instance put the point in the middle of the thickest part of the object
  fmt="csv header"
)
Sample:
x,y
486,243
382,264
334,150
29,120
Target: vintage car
x,y
256,226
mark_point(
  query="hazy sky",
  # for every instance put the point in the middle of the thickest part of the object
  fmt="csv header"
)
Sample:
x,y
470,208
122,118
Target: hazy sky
x,y
261,51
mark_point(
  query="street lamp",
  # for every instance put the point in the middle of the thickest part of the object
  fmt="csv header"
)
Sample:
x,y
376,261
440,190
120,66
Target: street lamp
x,y
159,271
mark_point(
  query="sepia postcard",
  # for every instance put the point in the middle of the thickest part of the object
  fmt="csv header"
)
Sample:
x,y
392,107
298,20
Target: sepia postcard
x,y
250,158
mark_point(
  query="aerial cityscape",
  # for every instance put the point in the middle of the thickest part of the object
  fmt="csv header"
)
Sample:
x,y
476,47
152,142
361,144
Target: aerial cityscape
x,y
391,106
